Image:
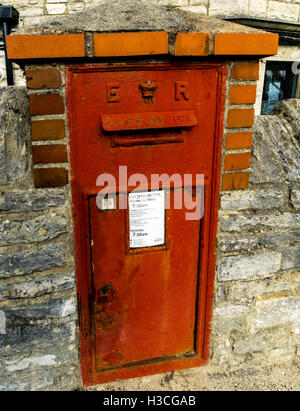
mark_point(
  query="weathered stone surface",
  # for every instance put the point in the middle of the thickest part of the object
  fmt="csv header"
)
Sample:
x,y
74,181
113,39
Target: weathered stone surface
x,y
290,110
291,258
35,229
249,267
41,286
246,292
57,308
250,344
3,292
233,244
32,200
272,240
17,365
26,262
279,136
295,199
28,337
248,222
228,326
229,310
264,168
275,312
134,15
252,199
14,134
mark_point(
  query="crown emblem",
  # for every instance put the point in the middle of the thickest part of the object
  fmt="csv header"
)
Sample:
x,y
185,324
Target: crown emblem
x,y
148,89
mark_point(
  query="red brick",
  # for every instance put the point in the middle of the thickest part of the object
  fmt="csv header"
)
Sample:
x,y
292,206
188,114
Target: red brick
x,y
48,130
235,181
45,46
240,117
50,177
192,44
245,71
56,153
237,141
46,104
238,161
130,44
47,78
243,94
258,44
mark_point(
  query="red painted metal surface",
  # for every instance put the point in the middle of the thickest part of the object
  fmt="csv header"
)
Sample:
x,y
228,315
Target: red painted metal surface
x,y
144,310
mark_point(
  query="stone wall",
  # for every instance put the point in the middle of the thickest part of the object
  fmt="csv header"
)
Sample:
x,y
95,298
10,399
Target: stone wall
x,y
257,295
37,278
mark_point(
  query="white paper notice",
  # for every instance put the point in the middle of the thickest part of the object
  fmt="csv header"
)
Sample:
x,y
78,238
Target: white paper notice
x,y
146,219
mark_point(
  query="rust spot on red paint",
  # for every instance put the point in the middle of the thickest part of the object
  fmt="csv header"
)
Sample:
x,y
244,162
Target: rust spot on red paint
x,y
113,358
106,294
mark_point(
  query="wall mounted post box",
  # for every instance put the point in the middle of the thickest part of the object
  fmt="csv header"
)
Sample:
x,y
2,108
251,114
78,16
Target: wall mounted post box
x,y
145,114
147,283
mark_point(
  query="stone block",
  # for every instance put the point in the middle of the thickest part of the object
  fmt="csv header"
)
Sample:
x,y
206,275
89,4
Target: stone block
x,y
35,229
235,244
275,312
252,199
45,285
228,326
283,11
249,267
284,238
254,222
228,8
291,258
295,199
14,134
32,200
31,261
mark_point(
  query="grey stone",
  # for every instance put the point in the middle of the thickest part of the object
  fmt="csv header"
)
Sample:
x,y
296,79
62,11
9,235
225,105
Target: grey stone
x,y
57,308
285,149
291,258
234,244
274,240
295,198
32,337
14,134
228,326
229,310
30,261
290,111
42,286
252,199
3,292
32,200
250,344
249,267
35,229
275,312
255,222
264,168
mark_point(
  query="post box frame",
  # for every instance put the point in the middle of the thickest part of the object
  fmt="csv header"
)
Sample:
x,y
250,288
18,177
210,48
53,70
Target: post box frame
x,y
205,290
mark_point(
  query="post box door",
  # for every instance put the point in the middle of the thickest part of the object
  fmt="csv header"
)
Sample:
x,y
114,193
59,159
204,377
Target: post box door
x,y
143,305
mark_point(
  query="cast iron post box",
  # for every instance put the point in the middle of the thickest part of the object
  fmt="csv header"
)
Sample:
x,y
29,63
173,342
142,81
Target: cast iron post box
x,y
146,122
